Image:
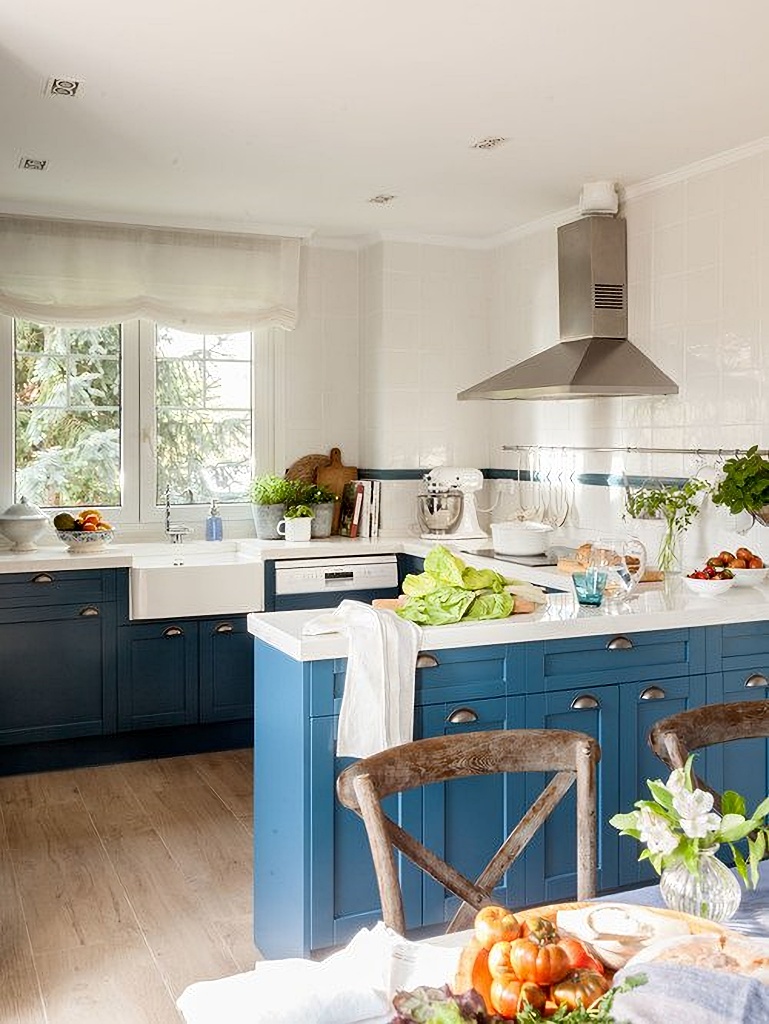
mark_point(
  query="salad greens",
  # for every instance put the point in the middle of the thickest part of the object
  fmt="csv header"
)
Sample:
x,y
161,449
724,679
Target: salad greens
x,y
449,591
426,1005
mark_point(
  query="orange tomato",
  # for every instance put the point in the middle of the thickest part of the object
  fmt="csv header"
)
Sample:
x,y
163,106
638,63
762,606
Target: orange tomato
x,y
579,956
495,924
508,996
580,988
542,964
499,960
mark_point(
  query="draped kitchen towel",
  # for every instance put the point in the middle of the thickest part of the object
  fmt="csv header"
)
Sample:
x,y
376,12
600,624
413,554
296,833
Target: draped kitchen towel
x,y
378,702
673,992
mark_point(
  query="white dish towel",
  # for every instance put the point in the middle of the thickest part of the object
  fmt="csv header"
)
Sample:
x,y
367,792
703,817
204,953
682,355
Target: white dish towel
x,y
378,702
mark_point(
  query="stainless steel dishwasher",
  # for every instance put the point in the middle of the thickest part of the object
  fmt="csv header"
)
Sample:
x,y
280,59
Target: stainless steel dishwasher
x,y
293,583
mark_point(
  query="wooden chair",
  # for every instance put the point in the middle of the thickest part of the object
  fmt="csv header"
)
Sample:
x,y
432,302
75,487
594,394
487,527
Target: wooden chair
x,y
672,739
571,755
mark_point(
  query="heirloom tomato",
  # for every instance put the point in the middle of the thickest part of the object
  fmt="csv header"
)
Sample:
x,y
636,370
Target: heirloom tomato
x,y
509,996
495,924
543,963
579,956
580,987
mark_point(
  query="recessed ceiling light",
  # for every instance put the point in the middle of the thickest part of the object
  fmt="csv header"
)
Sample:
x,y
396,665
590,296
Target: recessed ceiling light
x,y
31,163
382,199
62,87
489,142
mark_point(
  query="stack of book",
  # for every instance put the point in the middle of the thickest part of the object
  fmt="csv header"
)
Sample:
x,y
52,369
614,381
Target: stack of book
x,y
359,516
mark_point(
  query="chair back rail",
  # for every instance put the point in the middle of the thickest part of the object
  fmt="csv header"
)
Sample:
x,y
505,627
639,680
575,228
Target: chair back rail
x,y
571,755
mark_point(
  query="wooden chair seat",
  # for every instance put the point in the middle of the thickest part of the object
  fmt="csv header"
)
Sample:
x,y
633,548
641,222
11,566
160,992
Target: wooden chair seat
x,y
572,756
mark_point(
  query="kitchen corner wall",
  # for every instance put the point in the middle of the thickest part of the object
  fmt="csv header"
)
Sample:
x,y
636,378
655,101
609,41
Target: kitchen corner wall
x,y
424,333
390,332
698,299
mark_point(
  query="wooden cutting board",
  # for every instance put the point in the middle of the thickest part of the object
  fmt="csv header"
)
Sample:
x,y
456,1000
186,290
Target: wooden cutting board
x,y
335,476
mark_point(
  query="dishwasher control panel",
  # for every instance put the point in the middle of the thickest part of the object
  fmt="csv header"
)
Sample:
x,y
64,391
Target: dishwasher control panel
x,y
320,575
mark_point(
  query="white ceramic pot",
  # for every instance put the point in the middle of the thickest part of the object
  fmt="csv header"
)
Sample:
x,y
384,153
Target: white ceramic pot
x,y
22,524
520,538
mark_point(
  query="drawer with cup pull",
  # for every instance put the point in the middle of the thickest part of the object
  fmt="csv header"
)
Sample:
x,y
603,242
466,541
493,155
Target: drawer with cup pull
x,y
615,658
51,586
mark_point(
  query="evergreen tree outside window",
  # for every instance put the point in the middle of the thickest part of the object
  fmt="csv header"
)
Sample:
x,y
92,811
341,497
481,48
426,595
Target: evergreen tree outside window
x,y
67,387
76,416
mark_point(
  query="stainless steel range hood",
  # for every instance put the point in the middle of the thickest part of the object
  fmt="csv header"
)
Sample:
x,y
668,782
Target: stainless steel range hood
x,y
593,358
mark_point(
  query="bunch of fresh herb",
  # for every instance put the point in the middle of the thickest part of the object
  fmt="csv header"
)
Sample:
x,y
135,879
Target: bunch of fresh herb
x,y
676,505
745,484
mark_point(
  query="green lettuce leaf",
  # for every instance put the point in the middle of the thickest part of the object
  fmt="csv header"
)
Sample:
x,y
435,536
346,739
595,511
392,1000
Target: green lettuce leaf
x,y
490,606
442,607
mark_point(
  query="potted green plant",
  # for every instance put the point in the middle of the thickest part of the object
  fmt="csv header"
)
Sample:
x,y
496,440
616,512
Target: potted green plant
x,y
744,486
270,495
296,524
677,506
321,500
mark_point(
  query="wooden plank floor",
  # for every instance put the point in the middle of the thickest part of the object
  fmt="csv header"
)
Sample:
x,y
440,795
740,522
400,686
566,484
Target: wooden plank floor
x,y
121,885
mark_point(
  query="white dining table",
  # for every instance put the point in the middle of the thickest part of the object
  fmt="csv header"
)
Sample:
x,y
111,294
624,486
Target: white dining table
x,y
245,998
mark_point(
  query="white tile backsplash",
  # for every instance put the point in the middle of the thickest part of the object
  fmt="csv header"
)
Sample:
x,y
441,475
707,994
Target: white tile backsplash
x,y
389,334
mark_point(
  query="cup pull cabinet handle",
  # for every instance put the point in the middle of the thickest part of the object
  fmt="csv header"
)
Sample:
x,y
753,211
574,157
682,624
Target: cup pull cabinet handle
x,y
89,612
224,627
171,631
42,577
757,680
653,693
619,643
585,702
427,661
462,716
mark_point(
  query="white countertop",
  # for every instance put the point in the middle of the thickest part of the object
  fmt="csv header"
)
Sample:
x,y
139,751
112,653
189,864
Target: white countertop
x,y
652,606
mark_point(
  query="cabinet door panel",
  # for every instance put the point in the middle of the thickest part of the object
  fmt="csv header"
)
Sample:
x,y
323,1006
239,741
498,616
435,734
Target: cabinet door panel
x,y
727,763
158,675
551,874
643,704
466,820
57,674
345,896
226,670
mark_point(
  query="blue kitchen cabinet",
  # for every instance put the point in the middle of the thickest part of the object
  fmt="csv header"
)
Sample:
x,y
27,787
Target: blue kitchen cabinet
x,y
551,858
57,656
157,674
742,650
467,820
641,706
314,883
226,666
185,671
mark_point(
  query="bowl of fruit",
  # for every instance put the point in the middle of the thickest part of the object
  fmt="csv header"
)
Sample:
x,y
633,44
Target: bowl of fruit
x,y
85,532
747,567
714,578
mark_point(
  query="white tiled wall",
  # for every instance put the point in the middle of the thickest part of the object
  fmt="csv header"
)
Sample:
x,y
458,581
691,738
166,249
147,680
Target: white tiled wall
x,y
698,256
389,334
424,335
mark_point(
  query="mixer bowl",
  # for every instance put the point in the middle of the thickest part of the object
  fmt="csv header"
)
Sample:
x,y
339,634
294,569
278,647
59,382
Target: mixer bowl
x,y
439,513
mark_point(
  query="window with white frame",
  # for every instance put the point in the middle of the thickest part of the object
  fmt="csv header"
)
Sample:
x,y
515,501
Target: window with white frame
x,y
110,416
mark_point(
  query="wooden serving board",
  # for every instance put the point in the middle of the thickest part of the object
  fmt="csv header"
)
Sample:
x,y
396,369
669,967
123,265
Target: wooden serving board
x,y
335,476
473,971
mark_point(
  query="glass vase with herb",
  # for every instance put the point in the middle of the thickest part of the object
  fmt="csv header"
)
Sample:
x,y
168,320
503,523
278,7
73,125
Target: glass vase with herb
x,y
676,506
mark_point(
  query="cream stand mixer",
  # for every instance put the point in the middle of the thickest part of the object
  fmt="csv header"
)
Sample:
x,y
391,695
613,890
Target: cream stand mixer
x,y
448,507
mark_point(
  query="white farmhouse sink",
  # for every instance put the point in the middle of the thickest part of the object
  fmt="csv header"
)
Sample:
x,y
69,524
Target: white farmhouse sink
x,y
176,583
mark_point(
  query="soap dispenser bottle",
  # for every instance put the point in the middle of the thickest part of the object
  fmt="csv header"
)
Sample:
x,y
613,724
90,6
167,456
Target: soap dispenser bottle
x,y
214,523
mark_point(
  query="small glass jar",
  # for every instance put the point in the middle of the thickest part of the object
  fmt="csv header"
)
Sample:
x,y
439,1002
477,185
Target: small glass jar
x,y
714,892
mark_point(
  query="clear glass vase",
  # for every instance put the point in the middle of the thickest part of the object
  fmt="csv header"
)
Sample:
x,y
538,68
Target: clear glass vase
x,y
714,892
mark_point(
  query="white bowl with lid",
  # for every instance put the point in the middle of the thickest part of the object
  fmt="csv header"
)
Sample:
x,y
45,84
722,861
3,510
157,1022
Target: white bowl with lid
x,y
22,524
520,538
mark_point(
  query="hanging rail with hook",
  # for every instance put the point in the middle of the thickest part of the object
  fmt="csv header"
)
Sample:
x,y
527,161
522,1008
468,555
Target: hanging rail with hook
x,y
632,449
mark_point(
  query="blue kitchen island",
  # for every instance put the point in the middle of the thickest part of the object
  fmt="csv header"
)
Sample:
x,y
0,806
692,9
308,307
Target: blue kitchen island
x,y
611,672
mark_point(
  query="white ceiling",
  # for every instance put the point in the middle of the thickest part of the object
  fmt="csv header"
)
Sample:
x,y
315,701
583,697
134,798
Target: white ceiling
x,y
291,115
